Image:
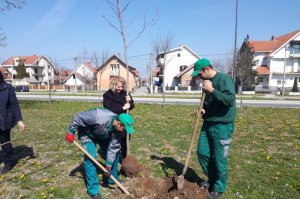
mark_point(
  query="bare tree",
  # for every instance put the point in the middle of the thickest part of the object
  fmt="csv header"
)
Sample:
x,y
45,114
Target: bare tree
x,y
118,11
8,5
99,62
160,47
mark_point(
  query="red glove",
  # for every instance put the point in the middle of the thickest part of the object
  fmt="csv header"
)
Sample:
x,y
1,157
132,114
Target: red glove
x,y
108,173
70,137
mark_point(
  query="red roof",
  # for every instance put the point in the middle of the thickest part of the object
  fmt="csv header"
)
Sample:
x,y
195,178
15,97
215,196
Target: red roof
x,y
6,74
28,60
263,70
91,67
274,44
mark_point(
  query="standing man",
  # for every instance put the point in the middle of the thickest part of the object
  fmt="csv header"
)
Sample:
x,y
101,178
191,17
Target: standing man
x,y
105,128
219,112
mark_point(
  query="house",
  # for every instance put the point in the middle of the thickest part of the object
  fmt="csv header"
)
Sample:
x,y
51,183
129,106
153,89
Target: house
x,y
39,68
113,67
6,74
83,76
276,60
176,61
61,75
185,79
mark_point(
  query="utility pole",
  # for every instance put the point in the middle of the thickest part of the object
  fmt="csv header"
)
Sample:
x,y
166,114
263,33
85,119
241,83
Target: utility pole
x,y
74,76
235,37
283,83
12,69
49,83
150,73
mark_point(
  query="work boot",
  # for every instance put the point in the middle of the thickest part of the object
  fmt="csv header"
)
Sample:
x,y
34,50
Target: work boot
x,y
215,195
96,196
6,168
204,184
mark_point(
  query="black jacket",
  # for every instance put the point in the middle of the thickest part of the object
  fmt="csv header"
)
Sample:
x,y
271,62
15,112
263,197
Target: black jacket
x,y
115,101
10,112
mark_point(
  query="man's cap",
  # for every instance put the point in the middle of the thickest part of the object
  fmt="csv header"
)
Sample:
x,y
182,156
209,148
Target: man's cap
x,y
198,65
127,121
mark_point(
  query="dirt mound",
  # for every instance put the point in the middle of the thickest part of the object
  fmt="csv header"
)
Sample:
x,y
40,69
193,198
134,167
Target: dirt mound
x,y
151,188
131,167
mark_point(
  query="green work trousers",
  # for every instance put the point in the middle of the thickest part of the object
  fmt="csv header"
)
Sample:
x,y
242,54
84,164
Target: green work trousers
x,y
213,148
93,187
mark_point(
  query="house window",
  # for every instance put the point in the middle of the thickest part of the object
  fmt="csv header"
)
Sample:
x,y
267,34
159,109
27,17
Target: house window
x,y
278,82
297,48
115,69
260,80
178,55
181,68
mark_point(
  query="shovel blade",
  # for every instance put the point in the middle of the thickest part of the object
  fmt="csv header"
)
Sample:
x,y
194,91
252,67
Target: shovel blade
x,y
180,182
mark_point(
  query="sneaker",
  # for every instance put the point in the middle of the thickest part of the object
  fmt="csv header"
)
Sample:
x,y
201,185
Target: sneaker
x,y
215,195
6,168
204,184
96,196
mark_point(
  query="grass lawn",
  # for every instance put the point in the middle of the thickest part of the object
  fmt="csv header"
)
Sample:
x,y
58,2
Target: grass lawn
x,y
263,160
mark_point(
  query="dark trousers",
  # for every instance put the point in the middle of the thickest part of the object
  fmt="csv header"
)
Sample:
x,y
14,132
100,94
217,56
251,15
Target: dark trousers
x,y
7,149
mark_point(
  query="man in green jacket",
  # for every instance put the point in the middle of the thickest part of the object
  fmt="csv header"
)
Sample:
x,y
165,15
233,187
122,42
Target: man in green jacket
x,y
219,112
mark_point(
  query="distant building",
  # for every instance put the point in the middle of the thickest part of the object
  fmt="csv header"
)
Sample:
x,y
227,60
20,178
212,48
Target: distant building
x,y
6,74
83,76
39,68
276,58
113,67
178,62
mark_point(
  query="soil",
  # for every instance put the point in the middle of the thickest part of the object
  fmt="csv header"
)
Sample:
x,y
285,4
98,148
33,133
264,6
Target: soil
x,y
151,188
131,167
142,185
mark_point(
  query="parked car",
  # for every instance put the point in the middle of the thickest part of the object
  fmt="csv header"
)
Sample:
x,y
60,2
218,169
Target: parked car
x,y
22,88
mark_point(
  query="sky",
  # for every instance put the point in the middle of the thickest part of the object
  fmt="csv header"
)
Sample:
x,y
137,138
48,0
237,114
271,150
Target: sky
x,y
64,29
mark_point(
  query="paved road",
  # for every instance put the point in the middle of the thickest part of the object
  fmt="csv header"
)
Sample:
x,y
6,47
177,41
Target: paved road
x,y
252,103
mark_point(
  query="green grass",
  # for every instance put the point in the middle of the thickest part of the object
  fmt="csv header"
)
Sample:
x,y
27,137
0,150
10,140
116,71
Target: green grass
x,y
263,160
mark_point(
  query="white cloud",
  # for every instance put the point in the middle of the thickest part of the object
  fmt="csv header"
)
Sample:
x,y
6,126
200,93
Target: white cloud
x,y
55,18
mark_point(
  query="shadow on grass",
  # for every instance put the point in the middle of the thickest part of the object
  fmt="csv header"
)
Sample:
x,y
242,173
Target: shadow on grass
x,y
19,153
80,169
24,152
171,163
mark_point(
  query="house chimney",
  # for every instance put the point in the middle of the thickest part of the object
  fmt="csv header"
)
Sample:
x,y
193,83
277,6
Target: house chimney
x,y
272,38
119,55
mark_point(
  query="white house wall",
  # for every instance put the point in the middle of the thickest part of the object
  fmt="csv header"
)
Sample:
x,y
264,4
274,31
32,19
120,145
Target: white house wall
x,y
45,64
84,71
71,82
297,38
173,62
276,80
259,58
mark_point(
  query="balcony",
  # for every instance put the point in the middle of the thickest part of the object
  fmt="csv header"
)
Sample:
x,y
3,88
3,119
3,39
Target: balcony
x,y
295,50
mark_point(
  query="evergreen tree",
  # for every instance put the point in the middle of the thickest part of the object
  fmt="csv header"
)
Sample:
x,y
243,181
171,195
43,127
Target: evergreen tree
x,y
295,86
245,75
21,70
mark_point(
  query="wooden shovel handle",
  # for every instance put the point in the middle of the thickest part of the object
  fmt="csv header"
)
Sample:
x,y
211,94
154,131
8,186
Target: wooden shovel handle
x,y
101,167
194,134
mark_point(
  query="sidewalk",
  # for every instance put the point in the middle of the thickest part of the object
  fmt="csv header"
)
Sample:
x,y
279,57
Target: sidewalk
x,y
143,92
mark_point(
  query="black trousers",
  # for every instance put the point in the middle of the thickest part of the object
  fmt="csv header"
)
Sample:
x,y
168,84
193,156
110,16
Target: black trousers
x,y
7,149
